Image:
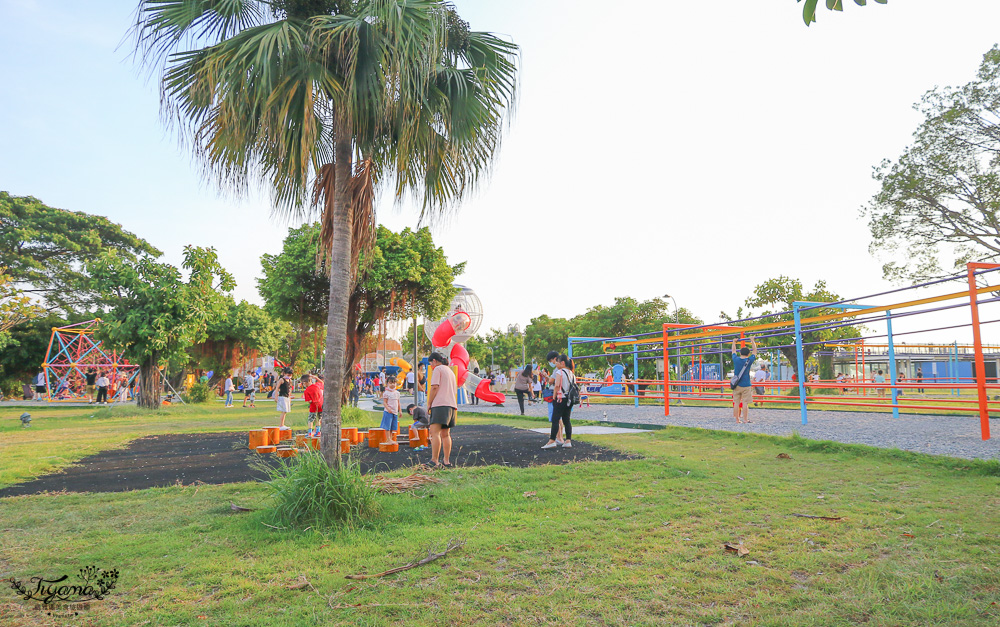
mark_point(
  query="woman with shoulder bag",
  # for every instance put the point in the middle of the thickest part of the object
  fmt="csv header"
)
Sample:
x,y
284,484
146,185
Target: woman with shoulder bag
x,y
563,378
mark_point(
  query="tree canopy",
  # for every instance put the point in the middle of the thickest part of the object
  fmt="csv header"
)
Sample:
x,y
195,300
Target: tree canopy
x,y
939,201
46,250
810,6
15,308
295,288
235,332
775,296
154,314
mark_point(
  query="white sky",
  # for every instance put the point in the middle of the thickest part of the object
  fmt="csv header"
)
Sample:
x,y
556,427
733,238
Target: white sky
x,y
690,148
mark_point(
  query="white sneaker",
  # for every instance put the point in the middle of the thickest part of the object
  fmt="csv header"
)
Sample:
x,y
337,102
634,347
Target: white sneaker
x,y
560,442
567,444
550,445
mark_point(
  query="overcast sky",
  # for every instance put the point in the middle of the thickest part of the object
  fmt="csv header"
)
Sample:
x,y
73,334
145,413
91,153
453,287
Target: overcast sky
x,y
689,148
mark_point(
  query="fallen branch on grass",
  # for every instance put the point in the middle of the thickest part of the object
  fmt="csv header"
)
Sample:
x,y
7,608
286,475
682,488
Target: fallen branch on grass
x,y
236,508
427,560
818,517
396,485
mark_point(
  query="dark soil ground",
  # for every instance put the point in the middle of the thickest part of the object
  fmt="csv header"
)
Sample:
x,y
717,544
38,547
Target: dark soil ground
x,y
165,460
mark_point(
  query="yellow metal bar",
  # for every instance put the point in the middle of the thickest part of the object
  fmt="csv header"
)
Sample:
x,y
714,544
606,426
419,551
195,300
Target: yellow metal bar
x,y
850,314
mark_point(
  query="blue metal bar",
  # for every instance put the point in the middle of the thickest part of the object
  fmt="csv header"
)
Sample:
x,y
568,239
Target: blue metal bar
x,y
892,366
800,363
635,372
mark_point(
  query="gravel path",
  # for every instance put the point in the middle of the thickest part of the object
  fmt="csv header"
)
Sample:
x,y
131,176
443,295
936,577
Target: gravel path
x,y
955,436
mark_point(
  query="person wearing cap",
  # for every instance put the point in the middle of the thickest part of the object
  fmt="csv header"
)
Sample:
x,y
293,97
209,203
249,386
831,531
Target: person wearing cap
x,y
443,403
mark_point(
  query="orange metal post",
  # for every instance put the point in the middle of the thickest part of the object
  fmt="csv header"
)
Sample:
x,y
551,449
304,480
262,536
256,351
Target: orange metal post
x,y
984,412
666,375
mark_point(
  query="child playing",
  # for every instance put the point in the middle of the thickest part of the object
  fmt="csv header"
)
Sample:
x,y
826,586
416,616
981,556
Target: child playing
x,y
420,421
390,402
313,394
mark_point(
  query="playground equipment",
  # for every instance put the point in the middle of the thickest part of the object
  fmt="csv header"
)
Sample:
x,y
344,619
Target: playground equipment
x,y
71,352
794,329
404,367
269,440
449,335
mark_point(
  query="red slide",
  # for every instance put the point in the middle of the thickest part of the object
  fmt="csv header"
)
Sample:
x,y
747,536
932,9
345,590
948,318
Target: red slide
x,y
484,392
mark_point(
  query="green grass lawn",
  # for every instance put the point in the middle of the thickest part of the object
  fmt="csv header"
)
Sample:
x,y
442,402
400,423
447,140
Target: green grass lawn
x,y
636,542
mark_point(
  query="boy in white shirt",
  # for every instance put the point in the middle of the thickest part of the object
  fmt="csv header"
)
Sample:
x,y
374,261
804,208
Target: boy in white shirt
x,y
390,402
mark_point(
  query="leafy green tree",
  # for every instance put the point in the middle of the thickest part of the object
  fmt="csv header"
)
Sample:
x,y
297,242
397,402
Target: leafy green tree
x,y
154,314
941,197
775,296
544,334
15,308
404,275
505,353
809,8
231,336
333,99
295,288
46,249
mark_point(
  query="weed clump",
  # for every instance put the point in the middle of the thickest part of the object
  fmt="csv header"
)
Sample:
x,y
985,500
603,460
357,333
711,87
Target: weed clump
x,y
306,492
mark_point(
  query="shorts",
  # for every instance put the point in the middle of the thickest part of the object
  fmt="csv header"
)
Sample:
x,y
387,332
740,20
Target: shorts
x,y
40,389
759,389
742,394
444,416
284,404
91,389
248,392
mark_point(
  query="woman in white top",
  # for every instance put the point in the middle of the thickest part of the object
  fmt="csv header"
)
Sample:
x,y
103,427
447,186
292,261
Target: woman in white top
x,y
563,377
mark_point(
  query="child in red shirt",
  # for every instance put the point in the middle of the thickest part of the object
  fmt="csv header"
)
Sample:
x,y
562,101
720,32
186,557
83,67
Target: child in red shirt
x,y
314,394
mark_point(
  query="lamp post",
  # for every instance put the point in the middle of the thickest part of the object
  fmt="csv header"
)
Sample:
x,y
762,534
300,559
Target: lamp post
x,y
677,319
491,358
516,328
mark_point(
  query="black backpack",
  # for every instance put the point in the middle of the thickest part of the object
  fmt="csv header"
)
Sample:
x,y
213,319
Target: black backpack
x,y
573,395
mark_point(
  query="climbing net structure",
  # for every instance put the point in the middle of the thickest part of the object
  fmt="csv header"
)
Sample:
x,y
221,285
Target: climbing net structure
x,y
73,350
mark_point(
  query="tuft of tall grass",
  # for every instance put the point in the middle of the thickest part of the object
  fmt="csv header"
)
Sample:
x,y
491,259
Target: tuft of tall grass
x,y
307,493
350,415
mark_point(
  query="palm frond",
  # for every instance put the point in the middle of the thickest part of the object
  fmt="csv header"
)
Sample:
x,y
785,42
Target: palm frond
x,y
161,26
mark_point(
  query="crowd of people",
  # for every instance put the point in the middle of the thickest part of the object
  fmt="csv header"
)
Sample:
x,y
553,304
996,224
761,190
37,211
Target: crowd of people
x,y
97,386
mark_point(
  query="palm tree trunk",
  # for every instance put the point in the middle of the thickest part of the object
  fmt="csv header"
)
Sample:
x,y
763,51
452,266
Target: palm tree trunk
x,y
340,293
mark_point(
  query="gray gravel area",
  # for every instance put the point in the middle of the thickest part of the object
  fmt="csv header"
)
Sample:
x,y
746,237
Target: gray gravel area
x,y
955,436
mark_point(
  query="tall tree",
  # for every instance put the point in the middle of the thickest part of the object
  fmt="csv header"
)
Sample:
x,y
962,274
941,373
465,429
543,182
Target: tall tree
x,y
334,99
774,297
46,249
404,275
940,200
295,288
15,307
234,333
809,8
154,314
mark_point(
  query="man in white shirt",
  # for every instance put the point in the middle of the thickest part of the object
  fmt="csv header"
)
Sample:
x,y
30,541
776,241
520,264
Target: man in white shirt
x,y
102,388
410,378
759,378
249,387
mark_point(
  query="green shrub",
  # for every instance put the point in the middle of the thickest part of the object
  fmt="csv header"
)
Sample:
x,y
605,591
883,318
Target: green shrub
x,y
198,393
307,493
350,415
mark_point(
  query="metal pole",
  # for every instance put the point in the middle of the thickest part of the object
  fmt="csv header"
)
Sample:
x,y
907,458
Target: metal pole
x,y
984,413
892,366
666,373
800,362
635,372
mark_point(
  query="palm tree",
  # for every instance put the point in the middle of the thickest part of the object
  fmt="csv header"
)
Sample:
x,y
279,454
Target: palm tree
x,y
326,102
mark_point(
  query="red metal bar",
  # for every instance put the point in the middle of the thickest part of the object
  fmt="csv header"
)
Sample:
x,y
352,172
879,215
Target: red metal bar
x,y
984,413
666,373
